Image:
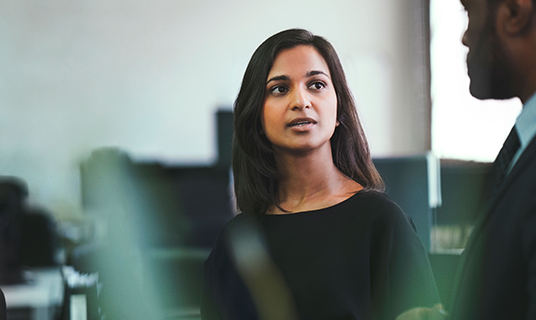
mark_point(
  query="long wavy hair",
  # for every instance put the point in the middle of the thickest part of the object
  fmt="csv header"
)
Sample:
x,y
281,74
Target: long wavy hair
x,y
254,169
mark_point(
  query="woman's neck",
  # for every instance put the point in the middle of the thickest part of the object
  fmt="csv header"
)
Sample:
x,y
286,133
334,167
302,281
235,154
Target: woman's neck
x,y
310,181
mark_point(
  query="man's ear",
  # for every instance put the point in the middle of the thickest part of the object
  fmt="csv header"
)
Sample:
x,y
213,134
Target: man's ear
x,y
514,16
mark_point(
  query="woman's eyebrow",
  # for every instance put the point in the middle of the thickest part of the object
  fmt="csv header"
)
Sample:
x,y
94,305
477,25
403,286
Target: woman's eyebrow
x,y
314,73
286,78
277,78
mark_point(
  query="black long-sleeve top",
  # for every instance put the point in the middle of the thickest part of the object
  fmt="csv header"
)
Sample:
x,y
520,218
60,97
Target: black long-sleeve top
x,y
359,259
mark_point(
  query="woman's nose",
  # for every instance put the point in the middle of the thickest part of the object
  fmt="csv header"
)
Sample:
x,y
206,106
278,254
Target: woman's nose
x,y
300,99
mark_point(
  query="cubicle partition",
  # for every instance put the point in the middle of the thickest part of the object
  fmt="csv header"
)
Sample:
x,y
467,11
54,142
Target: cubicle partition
x,y
414,184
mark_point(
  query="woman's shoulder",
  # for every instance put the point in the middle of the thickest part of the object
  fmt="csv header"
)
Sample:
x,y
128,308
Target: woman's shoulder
x,y
239,221
381,208
377,201
234,243
235,225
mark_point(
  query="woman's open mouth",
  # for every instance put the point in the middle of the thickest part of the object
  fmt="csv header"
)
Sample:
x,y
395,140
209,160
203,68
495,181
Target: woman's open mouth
x,y
301,124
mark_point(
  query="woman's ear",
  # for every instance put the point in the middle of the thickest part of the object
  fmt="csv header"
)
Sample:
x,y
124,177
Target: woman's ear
x,y
337,123
514,16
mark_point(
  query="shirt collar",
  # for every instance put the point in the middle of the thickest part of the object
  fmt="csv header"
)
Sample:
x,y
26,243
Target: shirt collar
x,y
526,122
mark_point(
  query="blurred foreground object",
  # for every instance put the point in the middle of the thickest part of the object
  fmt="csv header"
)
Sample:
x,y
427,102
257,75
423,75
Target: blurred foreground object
x,y
154,226
115,256
268,288
435,313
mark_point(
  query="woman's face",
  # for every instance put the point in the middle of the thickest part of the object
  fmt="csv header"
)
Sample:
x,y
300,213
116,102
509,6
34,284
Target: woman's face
x,y
300,106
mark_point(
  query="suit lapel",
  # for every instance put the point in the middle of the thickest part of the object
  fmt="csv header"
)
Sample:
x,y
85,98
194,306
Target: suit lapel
x,y
527,157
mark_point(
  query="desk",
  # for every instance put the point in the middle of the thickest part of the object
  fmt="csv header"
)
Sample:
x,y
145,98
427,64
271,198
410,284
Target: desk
x,y
42,296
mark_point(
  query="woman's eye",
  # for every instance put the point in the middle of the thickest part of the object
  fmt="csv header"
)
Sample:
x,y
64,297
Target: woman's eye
x,y
317,86
278,90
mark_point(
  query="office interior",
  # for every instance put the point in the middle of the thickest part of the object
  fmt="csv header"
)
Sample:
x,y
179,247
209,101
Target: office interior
x,y
115,135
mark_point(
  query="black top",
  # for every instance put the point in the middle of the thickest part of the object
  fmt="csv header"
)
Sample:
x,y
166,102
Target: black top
x,y
359,259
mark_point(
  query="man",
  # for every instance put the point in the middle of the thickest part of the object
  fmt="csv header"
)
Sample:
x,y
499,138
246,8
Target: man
x,y
497,274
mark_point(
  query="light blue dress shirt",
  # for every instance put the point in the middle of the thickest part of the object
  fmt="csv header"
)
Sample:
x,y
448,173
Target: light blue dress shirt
x,y
525,127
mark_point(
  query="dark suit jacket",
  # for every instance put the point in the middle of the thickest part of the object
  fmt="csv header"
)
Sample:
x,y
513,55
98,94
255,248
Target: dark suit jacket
x,y
497,275
3,309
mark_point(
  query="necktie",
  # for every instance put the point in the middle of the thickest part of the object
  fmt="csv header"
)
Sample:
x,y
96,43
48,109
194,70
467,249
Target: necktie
x,y
501,164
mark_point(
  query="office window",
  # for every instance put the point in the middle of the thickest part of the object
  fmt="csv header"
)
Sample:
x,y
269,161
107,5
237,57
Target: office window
x,y
462,127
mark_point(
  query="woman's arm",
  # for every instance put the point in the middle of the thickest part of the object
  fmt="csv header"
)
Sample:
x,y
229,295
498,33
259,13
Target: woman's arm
x,y
209,309
412,280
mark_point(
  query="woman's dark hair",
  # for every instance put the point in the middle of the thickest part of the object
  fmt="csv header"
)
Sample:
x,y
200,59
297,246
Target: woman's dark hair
x,y
254,169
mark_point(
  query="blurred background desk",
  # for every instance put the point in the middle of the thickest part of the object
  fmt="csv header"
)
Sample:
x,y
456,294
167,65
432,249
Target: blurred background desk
x,y
38,299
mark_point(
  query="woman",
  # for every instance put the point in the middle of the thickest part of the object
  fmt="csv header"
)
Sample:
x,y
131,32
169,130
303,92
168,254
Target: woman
x,y
328,240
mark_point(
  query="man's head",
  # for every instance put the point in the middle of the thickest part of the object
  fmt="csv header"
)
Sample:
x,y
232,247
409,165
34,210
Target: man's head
x,y
498,37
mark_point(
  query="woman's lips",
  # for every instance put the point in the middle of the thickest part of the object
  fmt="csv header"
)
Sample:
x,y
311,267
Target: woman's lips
x,y
301,124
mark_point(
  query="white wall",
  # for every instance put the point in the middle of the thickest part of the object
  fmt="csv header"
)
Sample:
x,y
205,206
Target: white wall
x,y
147,76
463,126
